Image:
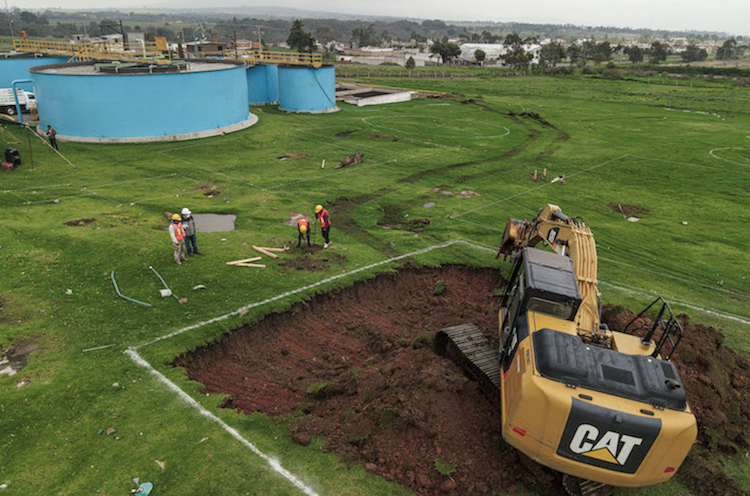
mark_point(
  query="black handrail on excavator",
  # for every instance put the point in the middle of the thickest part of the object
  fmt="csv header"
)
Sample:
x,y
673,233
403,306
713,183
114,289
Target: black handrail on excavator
x,y
670,327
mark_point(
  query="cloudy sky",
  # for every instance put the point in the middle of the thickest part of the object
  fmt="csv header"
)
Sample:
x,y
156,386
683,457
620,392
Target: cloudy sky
x,y
731,16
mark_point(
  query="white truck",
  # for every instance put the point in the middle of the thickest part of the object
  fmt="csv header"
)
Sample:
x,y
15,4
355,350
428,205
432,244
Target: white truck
x,y
26,99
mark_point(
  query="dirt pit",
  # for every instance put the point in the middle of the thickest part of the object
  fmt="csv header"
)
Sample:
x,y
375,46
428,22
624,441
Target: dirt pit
x,y
344,134
357,367
305,261
287,156
381,137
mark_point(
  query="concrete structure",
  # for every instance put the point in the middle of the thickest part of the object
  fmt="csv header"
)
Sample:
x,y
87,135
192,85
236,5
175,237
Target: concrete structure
x,y
16,66
208,98
362,96
262,84
306,89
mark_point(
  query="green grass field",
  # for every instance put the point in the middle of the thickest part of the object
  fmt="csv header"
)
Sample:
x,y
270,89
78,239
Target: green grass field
x,y
615,142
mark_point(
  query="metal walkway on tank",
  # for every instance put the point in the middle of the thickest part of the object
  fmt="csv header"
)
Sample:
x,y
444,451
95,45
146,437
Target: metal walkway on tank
x,y
154,52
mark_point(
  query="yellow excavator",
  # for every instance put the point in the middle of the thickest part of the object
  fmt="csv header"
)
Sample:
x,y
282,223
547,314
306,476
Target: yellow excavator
x,y
604,408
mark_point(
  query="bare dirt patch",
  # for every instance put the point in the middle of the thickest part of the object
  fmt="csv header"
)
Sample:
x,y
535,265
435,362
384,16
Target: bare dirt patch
x,y
80,222
353,159
287,156
381,137
344,134
13,360
717,383
628,210
356,366
308,263
209,190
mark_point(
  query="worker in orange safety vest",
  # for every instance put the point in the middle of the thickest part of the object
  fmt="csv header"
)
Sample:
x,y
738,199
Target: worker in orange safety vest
x,y
325,223
177,233
303,226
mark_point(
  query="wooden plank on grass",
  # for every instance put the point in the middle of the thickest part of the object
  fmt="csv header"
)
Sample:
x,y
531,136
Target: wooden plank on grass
x,y
281,250
264,252
260,266
244,260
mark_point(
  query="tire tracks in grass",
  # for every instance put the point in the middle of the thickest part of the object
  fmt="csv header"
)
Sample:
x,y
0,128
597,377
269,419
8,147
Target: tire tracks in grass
x,y
345,206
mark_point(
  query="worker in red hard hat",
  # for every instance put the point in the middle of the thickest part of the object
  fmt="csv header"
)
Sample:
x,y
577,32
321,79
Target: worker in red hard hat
x,y
177,233
303,226
325,223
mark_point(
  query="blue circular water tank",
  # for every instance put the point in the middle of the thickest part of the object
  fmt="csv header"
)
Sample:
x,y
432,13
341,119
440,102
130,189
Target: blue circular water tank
x,y
262,84
306,89
84,104
14,67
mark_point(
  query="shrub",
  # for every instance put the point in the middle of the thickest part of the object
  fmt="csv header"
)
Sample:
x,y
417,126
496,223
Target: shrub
x,y
439,288
423,340
444,467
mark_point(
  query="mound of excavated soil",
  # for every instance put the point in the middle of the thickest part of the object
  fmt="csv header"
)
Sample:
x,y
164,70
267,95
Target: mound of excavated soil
x,y
717,383
356,366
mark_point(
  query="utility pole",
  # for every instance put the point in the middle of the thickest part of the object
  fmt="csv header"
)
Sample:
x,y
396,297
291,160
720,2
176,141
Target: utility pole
x,y
260,42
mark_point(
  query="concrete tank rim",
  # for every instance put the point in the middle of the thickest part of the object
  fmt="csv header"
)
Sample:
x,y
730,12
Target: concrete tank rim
x,y
253,119
40,69
289,66
27,55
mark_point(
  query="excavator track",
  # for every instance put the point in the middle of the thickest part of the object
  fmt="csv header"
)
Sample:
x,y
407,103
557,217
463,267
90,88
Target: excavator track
x,y
583,487
466,346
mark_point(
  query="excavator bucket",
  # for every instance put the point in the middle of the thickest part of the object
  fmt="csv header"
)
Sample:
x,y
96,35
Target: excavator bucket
x,y
513,231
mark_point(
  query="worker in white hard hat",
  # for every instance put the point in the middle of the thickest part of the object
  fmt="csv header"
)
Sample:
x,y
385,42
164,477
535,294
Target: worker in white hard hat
x,y
188,222
325,223
177,233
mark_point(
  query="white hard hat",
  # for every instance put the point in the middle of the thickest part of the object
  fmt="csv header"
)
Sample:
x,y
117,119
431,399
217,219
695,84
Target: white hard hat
x,y
186,211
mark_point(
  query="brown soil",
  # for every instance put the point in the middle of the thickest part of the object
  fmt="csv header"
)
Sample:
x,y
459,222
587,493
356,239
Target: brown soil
x,y
353,159
287,156
381,137
80,222
14,359
356,367
307,262
209,190
344,134
717,383
628,210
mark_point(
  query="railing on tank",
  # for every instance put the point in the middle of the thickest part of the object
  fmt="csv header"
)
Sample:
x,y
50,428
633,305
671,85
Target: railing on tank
x,y
252,57
154,52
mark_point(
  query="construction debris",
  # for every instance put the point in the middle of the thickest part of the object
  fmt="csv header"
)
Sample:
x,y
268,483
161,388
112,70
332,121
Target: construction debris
x,y
199,286
354,159
561,179
244,260
259,266
286,248
98,348
263,251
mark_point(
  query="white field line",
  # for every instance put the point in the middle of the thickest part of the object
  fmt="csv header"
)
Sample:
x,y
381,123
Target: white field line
x,y
609,260
186,193
275,465
272,462
642,292
726,159
690,165
210,170
677,278
129,181
16,194
538,187
281,296
326,176
47,186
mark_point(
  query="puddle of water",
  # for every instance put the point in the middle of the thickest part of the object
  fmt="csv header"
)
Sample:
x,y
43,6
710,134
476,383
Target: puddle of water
x,y
208,223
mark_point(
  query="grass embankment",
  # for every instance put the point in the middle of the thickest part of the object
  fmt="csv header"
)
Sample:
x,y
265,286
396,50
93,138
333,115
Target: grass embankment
x,y
615,146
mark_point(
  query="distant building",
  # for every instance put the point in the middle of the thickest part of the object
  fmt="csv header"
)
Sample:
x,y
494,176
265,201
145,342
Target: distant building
x,y
494,51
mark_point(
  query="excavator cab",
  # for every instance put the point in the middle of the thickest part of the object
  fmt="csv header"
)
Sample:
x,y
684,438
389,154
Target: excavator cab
x,y
542,282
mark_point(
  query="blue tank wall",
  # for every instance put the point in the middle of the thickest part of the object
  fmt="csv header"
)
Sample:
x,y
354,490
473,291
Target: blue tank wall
x,y
18,68
304,89
262,84
142,105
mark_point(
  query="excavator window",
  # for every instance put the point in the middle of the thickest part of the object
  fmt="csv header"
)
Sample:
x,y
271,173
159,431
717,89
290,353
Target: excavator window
x,y
554,308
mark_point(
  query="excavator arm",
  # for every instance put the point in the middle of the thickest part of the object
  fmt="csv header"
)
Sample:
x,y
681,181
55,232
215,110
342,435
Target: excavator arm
x,y
567,236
